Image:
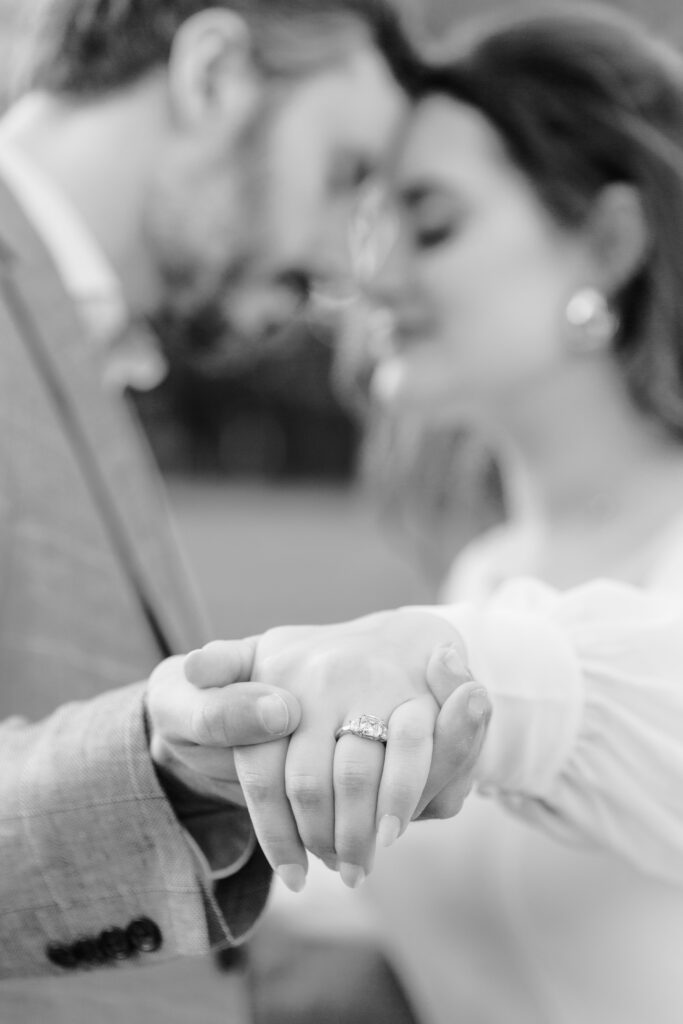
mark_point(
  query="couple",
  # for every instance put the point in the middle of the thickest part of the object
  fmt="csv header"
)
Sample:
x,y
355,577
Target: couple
x,y
529,256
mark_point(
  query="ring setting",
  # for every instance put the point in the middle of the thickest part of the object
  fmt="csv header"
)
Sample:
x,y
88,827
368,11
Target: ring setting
x,y
368,727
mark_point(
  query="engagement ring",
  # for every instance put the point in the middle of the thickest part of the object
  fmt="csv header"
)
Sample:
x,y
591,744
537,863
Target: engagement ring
x,y
367,727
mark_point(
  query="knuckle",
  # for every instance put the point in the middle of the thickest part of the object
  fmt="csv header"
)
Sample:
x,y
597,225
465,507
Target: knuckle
x,y
352,779
408,734
260,788
206,726
278,669
278,635
330,668
447,805
305,791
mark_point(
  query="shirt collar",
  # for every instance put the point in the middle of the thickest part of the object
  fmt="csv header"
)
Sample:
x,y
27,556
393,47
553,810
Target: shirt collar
x,y
81,263
84,269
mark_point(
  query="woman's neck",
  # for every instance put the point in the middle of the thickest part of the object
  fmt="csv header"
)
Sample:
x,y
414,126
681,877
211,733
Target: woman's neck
x,y
600,479
582,445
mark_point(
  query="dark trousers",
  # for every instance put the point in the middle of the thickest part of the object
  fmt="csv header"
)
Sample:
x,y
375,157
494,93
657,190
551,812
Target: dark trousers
x,y
300,980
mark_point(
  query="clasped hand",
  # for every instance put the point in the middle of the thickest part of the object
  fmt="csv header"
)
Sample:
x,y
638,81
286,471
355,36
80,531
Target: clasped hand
x,y
336,798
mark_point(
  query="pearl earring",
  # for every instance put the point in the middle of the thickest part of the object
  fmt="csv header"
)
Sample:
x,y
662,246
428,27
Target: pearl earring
x,y
593,323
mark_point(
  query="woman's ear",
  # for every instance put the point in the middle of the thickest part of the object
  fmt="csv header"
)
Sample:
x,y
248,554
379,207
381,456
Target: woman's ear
x,y
619,236
211,74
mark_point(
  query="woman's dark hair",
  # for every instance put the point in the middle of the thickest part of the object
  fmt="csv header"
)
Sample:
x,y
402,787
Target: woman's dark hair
x,y
583,99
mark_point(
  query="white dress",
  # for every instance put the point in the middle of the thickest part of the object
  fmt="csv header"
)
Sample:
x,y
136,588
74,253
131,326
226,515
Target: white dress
x,y
556,897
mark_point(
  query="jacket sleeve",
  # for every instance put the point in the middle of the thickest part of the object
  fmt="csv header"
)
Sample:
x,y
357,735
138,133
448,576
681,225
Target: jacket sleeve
x,y
586,737
94,866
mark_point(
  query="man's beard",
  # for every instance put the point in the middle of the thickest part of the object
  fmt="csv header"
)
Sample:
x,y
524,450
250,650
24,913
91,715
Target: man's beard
x,y
236,321
217,316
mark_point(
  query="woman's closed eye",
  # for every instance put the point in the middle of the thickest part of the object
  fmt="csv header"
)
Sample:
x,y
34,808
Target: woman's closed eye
x,y
430,235
433,217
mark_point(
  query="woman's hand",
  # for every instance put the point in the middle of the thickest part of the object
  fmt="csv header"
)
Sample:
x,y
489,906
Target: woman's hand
x,y
331,797
337,793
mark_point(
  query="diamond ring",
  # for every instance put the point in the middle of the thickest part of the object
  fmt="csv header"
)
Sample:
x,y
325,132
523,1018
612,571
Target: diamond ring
x,y
367,727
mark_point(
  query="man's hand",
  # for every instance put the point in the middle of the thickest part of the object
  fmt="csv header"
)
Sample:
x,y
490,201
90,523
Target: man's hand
x,y
311,793
194,728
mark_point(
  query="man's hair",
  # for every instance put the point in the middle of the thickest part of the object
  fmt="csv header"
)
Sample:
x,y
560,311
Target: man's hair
x,y
89,47
583,99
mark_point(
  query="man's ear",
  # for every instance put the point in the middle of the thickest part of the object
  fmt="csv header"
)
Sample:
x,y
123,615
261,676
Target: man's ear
x,y
211,73
619,236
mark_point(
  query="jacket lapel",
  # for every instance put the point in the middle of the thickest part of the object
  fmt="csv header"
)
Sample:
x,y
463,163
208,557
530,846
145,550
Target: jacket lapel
x,y
109,445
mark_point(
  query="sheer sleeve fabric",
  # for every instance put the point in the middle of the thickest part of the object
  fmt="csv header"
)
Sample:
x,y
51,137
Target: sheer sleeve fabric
x,y
586,738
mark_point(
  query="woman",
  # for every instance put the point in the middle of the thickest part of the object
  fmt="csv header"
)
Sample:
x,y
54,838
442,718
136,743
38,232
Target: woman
x,y
534,281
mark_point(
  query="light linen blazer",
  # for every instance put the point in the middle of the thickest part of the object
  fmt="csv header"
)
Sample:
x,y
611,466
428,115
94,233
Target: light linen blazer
x,y
92,595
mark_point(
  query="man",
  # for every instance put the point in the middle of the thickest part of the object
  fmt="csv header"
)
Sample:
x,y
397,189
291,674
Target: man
x,y
167,157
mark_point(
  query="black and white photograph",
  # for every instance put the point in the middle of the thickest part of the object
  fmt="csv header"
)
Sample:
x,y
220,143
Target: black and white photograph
x,y
341,512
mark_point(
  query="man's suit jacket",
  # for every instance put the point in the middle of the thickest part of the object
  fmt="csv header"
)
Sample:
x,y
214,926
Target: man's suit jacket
x,y
92,596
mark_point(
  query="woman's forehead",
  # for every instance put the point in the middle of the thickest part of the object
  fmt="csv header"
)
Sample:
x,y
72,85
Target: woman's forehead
x,y
443,137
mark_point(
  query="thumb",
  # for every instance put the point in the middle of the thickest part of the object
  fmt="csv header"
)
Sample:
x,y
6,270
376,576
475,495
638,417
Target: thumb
x,y
447,670
221,662
241,715
458,739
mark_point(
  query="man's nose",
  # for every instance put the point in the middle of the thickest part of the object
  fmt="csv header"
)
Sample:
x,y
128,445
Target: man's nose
x,y
383,270
376,244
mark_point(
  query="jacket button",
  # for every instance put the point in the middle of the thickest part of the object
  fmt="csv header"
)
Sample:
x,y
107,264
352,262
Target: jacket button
x,y
144,935
61,955
114,944
87,952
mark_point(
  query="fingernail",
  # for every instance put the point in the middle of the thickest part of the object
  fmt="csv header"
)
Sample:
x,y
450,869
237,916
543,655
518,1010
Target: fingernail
x,y
351,875
454,662
478,705
293,876
274,713
389,830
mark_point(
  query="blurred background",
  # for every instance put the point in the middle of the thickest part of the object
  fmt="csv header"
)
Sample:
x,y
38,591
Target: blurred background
x,y
294,503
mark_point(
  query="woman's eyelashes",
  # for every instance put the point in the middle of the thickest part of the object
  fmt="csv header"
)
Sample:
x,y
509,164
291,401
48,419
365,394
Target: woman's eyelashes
x,y
433,219
428,236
